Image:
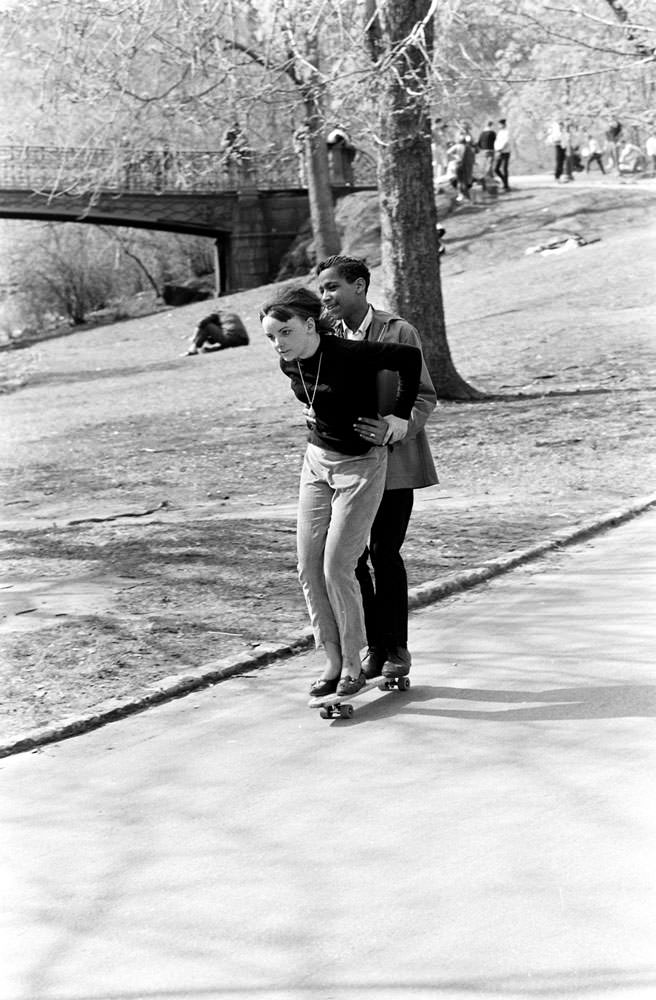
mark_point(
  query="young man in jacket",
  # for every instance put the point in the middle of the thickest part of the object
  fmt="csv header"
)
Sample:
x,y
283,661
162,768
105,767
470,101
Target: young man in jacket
x,y
343,286
502,154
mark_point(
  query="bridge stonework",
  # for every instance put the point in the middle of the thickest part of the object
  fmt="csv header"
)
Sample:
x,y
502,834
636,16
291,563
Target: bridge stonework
x,y
252,228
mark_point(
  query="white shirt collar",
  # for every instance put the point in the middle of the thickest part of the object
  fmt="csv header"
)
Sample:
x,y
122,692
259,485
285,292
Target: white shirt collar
x,y
361,332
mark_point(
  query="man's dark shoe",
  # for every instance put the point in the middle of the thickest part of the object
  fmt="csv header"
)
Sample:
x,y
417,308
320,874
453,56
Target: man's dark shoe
x,y
398,662
372,664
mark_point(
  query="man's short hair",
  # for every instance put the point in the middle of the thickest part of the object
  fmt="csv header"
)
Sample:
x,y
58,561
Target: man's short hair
x,y
349,268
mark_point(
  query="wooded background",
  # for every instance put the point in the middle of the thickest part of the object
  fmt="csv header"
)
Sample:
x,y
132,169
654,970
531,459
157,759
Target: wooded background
x,y
400,75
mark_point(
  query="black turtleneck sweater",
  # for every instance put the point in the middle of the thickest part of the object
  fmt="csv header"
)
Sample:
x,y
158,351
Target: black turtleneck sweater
x,y
346,387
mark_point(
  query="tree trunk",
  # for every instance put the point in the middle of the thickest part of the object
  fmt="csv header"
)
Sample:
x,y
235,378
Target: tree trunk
x,y
410,245
305,76
320,193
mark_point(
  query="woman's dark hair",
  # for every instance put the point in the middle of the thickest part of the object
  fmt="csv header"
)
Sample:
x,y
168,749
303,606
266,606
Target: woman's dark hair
x,y
297,301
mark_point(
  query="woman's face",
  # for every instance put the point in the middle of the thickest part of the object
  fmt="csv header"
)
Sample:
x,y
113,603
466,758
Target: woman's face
x,y
290,338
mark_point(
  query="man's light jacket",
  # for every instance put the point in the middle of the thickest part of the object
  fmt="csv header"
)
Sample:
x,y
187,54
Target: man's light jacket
x,y
410,464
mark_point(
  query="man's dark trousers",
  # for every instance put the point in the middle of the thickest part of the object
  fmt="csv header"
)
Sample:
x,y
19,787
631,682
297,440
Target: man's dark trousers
x,y
385,601
501,169
563,162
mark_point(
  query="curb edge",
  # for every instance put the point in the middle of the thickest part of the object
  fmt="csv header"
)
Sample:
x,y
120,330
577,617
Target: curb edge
x,y
213,672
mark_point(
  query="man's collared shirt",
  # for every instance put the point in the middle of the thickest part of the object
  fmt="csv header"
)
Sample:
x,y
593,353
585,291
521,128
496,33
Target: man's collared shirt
x,y
362,330
502,141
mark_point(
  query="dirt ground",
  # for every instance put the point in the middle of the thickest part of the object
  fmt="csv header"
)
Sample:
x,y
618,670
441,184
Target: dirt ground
x,y
148,498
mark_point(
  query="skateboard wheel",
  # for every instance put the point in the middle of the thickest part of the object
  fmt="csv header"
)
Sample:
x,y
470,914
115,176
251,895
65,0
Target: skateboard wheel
x,y
403,683
325,713
346,711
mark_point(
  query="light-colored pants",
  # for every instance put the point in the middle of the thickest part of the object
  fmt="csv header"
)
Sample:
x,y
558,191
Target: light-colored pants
x,y
338,499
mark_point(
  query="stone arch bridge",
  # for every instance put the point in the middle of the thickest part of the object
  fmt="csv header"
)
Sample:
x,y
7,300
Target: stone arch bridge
x,y
252,215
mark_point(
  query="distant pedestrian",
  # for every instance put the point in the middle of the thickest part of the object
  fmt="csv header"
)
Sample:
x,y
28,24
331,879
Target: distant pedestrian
x,y
571,151
650,149
613,134
591,153
502,154
462,155
238,159
485,145
161,161
558,139
341,154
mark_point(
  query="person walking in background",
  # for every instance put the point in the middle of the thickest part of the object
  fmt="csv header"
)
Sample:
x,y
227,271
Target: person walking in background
x,y
462,155
613,133
343,285
558,139
344,469
485,145
568,147
238,158
650,150
341,154
574,152
468,165
502,154
591,153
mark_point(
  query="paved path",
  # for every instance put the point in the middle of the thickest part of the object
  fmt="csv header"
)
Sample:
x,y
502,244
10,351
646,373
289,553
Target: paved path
x,y
595,179
491,833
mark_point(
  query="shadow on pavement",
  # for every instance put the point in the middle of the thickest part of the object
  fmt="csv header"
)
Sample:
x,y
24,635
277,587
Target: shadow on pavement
x,y
615,701
557,984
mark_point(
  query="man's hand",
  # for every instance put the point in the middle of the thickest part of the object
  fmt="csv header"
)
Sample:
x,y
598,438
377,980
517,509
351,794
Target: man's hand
x,y
398,428
381,430
372,429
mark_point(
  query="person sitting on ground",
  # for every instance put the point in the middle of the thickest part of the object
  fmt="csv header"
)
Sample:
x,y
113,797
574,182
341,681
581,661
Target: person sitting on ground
x,y
216,332
631,159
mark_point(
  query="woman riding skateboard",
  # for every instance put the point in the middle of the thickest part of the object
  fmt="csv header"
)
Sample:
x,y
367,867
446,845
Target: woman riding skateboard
x,y
343,474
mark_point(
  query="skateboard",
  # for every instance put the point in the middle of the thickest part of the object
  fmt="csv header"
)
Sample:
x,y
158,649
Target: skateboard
x,y
338,705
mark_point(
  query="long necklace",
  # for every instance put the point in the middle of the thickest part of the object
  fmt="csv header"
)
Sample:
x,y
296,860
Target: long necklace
x,y
310,412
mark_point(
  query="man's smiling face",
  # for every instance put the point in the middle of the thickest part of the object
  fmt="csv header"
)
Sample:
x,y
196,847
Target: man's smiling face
x,y
341,299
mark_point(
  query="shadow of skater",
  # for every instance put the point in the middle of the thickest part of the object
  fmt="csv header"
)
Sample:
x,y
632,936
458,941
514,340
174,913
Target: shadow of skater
x,y
615,701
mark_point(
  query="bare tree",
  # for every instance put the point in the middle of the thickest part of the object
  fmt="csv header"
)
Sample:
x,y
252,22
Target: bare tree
x,y
154,71
399,36
297,55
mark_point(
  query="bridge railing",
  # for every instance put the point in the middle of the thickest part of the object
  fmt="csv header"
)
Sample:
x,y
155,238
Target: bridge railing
x,y
60,170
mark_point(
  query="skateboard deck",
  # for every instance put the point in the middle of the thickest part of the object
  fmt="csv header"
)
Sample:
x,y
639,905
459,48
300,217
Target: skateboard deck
x,y
338,705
